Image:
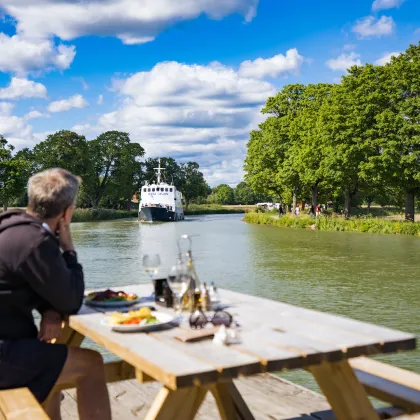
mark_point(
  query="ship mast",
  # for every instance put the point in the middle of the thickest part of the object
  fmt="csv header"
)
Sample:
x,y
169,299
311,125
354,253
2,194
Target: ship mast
x,y
159,171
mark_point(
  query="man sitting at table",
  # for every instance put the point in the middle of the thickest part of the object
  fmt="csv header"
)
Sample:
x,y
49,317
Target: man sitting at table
x,y
39,270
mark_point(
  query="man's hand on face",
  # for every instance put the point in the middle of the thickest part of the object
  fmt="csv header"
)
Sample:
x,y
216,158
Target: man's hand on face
x,y
66,242
50,327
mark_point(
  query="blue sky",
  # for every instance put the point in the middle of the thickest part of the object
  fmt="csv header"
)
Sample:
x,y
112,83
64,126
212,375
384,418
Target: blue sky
x,y
186,78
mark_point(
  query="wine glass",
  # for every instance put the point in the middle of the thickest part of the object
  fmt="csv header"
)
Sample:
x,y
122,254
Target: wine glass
x,y
151,264
179,281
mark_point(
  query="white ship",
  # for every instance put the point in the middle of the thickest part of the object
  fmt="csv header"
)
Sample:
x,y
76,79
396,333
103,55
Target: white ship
x,y
160,201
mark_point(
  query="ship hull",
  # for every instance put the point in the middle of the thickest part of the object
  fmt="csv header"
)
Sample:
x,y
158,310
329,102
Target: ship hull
x,y
157,214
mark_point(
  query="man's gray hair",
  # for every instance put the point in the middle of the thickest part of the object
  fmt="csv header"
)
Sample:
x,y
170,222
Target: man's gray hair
x,y
51,192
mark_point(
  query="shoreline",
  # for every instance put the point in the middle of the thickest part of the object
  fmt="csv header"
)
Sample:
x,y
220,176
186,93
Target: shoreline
x,y
336,224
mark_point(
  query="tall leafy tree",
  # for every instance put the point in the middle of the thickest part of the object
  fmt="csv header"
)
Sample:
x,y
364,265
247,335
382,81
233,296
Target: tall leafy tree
x,y
244,194
14,171
223,194
65,149
194,185
114,164
397,161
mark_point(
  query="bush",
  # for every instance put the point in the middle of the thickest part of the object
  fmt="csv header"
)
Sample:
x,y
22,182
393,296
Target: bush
x,y
197,209
338,224
90,215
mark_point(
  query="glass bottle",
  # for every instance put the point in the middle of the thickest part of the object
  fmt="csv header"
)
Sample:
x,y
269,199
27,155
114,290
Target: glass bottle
x,y
190,301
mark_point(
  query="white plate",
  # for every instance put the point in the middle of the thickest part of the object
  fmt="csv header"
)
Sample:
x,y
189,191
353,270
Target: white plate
x,y
162,318
116,304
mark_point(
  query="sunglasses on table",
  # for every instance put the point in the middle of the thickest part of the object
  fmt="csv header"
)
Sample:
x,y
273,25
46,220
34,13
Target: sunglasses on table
x,y
199,319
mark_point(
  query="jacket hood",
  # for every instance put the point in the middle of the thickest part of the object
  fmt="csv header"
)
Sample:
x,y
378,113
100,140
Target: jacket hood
x,y
16,217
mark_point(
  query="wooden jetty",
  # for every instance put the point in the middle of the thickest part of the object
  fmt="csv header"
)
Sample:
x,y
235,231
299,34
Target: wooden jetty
x,y
269,398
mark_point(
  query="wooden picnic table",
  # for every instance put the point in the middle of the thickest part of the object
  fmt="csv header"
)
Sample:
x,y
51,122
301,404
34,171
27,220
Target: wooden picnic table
x,y
274,337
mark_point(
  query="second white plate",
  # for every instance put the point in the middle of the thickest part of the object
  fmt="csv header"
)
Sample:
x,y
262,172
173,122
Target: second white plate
x,y
163,319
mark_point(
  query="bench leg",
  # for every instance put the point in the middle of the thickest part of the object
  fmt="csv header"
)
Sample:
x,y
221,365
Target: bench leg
x,y
230,402
181,404
343,391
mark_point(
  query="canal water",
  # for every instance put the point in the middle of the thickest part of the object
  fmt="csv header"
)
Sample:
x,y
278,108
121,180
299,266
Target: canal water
x,y
374,278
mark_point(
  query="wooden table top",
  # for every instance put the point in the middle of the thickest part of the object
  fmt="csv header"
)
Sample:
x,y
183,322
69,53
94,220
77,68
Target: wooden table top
x,y
274,336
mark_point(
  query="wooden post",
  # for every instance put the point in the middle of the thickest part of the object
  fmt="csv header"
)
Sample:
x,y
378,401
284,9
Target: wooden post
x,y
343,391
181,404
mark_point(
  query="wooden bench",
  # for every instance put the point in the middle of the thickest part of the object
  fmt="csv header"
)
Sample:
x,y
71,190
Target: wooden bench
x,y
20,404
399,387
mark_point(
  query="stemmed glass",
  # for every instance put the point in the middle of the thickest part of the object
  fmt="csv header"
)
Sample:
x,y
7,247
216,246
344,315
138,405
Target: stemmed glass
x,y
179,281
151,264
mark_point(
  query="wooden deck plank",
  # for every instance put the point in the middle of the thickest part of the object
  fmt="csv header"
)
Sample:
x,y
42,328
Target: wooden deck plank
x,y
269,398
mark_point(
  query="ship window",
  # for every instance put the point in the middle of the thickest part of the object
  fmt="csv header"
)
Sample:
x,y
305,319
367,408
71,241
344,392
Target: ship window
x,y
170,189
166,189
153,190
148,189
157,189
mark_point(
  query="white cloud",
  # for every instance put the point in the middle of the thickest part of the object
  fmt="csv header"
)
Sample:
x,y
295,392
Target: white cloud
x,y
190,112
134,22
272,67
386,4
21,55
386,58
372,27
344,62
23,88
6,108
75,101
100,99
35,114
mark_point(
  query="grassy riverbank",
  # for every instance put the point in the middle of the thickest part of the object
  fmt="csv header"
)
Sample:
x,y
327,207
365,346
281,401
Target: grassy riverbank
x,y
92,215
338,224
198,209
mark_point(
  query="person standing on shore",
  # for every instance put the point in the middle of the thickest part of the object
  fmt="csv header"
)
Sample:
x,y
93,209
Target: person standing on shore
x,y
39,271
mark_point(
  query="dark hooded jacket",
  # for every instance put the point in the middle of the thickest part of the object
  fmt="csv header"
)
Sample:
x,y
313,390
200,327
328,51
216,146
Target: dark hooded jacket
x,y
34,274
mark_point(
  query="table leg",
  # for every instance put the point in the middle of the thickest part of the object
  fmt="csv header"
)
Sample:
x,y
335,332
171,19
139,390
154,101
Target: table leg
x,y
69,336
343,391
230,403
181,404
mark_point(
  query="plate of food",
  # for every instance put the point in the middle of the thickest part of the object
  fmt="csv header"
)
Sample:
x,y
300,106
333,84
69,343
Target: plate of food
x,y
111,299
140,320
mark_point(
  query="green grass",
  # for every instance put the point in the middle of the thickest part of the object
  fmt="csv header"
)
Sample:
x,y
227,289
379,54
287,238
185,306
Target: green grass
x,y
91,215
338,224
197,209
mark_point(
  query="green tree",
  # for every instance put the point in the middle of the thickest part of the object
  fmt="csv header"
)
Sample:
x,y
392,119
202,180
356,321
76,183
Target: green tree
x,y
114,167
14,172
194,185
223,194
397,161
63,149
307,146
244,194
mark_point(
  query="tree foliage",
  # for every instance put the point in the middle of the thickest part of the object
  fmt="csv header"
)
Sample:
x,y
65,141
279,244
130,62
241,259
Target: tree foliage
x,y
339,143
14,173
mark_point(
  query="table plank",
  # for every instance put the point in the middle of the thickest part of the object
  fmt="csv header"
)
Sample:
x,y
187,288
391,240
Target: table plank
x,y
227,361
391,340
275,336
169,366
